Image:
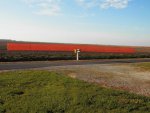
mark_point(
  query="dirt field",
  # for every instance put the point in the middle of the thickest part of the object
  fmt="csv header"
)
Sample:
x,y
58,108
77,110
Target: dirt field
x,y
118,76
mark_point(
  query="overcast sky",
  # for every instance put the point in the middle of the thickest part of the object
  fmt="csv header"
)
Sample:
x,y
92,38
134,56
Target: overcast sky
x,y
110,22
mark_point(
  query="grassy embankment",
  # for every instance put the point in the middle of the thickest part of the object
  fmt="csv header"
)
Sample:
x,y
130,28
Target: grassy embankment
x,y
42,56
51,92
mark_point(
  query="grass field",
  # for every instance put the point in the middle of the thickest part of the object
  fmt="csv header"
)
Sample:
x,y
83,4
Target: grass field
x,y
143,66
52,92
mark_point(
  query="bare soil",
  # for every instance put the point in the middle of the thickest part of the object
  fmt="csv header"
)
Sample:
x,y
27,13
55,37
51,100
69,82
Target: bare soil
x,y
118,76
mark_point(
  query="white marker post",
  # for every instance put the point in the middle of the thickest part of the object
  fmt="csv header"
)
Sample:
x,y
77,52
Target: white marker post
x,y
77,51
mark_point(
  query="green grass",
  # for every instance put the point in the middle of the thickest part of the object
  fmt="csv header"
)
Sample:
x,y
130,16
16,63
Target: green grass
x,y
43,56
51,92
144,66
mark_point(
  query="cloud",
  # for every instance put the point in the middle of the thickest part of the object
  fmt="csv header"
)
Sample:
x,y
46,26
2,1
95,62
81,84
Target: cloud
x,y
45,7
118,4
104,4
53,7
